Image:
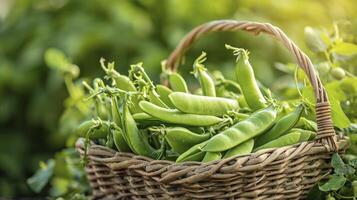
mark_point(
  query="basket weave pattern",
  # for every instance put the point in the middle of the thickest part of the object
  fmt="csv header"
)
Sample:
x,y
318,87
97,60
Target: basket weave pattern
x,y
281,173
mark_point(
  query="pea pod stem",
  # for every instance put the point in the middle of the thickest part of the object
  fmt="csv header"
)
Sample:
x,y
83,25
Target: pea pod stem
x,y
246,78
200,72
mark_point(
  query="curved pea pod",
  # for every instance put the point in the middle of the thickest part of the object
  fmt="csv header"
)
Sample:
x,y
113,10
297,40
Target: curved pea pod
x,y
181,139
282,126
241,149
177,117
242,131
119,140
202,105
285,140
306,135
144,117
212,156
124,83
164,93
194,157
137,140
115,111
177,83
195,151
200,72
306,124
246,79
155,99
91,127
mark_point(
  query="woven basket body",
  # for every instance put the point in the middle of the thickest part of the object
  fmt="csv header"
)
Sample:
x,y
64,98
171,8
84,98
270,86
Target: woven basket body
x,y
281,173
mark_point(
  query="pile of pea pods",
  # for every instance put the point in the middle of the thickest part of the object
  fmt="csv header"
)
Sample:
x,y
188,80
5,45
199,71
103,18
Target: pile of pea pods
x,y
224,118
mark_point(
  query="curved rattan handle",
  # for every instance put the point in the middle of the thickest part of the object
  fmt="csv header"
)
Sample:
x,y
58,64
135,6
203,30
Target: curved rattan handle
x,y
326,133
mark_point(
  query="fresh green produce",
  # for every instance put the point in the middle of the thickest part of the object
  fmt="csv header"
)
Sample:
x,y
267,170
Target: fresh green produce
x,y
247,129
177,83
181,139
119,140
282,126
164,93
136,139
203,105
178,117
200,72
211,156
94,129
285,140
243,148
246,79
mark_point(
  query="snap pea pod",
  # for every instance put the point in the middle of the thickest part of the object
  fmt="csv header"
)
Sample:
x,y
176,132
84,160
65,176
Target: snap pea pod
x,y
212,156
246,79
181,139
155,99
200,72
244,148
177,117
164,93
306,124
242,131
306,135
177,83
95,129
137,140
202,105
119,140
283,125
194,157
143,117
285,140
115,111
197,149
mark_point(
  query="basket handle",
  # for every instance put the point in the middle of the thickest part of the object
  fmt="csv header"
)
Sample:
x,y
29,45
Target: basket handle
x,y
326,132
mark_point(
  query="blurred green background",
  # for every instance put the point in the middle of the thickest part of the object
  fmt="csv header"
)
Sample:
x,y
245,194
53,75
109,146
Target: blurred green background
x,y
32,95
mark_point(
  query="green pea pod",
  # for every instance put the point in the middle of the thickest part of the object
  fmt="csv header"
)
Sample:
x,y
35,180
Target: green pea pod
x,y
181,139
143,117
246,79
200,72
242,131
155,99
202,105
115,111
192,151
283,125
177,117
93,128
285,140
306,135
177,83
241,149
306,124
137,140
194,157
242,102
212,156
119,140
354,188
164,93
124,83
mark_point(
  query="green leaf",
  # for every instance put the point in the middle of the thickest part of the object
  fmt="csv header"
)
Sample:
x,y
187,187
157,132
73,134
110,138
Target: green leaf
x,y
39,180
334,183
337,161
349,86
313,40
345,48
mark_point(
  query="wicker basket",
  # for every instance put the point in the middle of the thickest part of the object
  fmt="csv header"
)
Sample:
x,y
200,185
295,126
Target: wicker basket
x,y
281,173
